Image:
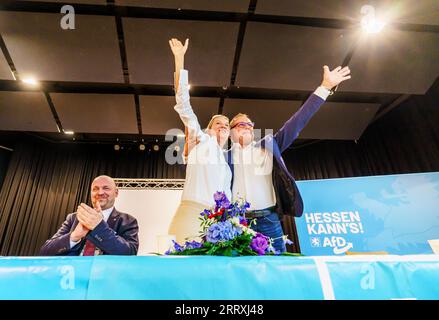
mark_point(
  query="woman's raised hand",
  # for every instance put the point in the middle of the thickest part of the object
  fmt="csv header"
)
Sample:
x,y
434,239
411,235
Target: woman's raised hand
x,y
178,49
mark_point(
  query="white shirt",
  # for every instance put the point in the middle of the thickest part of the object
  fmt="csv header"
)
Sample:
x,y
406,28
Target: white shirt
x,y
253,167
252,181
106,213
207,170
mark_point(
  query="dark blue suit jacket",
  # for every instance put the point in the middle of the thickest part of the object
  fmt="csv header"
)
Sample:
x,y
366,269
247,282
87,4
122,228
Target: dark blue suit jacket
x,y
288,198
117,236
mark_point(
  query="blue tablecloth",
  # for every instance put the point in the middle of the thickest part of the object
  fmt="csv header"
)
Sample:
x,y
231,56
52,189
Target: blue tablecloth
x,y
220,278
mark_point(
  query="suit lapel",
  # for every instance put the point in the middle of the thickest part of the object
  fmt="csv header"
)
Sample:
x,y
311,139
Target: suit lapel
x,y
113,218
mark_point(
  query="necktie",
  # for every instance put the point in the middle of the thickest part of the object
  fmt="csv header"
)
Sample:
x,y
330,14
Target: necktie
x,y
89,249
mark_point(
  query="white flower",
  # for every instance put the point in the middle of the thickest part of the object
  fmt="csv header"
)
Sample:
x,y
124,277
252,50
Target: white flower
x,y
248,230
235,221
286,240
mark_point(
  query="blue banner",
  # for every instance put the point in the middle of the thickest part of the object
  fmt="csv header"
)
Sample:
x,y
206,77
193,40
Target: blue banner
x,y
44,278
396,214
205,278
159,277
386,277
220,278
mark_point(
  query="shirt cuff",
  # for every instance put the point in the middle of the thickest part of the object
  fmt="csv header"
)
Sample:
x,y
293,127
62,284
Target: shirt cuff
x,y
183,80
322,92
72,244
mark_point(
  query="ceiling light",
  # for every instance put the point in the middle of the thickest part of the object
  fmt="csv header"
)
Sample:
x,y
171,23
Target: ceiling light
x,y
373,26
30,80
117,147
156,147
369,22
142,147
69,132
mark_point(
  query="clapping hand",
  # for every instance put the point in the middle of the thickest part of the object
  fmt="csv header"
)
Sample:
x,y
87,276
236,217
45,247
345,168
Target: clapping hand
x,y
79,232
90,217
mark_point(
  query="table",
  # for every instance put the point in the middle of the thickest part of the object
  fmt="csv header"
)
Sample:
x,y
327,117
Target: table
x,y
220,278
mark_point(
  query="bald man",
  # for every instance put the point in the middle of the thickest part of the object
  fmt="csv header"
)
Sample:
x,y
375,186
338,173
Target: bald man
x,y
96,230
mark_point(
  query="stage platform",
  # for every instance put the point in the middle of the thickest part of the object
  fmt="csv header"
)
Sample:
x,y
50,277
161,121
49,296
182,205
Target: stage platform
x,y
222,278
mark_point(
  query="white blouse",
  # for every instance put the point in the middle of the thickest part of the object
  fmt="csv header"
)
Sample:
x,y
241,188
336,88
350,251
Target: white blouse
x,y
207,170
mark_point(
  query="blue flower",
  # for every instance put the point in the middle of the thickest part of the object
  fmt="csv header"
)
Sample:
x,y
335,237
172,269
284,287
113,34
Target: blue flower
x,y
222,231
235,210
205,213
177,247
193,245
221,200
273,250
218,196
243,221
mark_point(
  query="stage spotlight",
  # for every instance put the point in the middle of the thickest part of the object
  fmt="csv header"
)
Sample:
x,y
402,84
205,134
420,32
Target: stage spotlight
x,y
142,147
30,80
156,147
117,147
374,26
369,22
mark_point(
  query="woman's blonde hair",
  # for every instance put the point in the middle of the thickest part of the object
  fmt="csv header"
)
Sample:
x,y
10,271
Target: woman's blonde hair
x,y
209,126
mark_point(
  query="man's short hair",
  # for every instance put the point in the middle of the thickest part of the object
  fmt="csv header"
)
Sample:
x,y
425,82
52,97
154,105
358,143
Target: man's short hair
x,y
106,177
232,123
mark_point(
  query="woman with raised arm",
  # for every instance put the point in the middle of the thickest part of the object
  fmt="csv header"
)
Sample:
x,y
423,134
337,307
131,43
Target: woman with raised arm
x,y
207,170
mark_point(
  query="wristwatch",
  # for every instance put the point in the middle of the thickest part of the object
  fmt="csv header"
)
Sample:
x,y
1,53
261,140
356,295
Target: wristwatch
x,y
331,92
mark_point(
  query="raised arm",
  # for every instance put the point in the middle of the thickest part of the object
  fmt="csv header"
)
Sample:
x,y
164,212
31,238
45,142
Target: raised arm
x,y
183,106
291,129
178,50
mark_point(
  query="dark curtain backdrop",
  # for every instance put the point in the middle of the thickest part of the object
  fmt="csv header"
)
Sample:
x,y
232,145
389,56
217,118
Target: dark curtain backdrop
x,y
44,182
5,156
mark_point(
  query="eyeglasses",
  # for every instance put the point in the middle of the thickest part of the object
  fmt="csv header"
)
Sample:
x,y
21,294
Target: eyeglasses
x,y
244,124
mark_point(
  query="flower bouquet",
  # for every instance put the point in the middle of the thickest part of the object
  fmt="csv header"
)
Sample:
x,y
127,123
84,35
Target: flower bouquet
x,y
225,232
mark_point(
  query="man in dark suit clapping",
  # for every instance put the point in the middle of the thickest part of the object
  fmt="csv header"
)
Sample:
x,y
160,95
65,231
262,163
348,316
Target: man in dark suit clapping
x,y
100,229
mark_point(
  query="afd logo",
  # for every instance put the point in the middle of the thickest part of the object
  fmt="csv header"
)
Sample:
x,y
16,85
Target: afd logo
x,y
339,245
